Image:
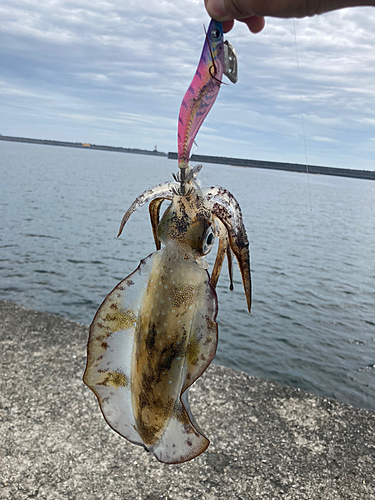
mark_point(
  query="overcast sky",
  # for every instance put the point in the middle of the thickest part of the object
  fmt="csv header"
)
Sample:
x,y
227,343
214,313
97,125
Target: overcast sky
x,y
114,72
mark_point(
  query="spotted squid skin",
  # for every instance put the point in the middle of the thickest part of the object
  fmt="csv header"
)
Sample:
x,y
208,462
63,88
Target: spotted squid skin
x,y
187,222
174,343
149,341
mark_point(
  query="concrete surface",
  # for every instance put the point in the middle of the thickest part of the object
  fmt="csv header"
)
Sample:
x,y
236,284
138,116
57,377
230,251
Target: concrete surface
x,y
267,441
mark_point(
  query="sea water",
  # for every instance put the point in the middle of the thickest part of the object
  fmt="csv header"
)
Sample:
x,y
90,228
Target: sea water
x,y
312,257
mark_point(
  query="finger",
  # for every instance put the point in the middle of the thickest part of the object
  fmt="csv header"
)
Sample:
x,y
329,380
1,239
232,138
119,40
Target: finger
x,y
255,23
227,26
224,10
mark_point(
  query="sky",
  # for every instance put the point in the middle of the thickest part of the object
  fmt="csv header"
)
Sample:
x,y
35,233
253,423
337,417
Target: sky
x,y
114,72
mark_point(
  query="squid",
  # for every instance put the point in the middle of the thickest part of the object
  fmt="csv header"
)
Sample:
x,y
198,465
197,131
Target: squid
x,y
156,332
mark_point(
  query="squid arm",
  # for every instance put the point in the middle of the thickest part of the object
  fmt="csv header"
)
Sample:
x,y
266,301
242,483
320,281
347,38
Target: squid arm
x,y
154,210
226,208
223,250
164,191
230,267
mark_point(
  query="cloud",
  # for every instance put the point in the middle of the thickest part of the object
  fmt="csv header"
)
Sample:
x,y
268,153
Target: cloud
x,y
116,72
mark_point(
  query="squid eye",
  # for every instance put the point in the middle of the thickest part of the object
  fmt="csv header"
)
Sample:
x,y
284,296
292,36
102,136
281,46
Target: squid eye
x,y
215,34
208,240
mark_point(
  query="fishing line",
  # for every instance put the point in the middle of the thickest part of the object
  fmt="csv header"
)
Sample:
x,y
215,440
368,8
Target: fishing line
x,y
311,219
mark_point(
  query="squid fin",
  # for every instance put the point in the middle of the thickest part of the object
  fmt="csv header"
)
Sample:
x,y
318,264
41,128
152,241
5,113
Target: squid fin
x,y
110,349
182,439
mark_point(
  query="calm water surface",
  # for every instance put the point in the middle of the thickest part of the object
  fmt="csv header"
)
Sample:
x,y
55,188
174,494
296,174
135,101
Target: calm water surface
x,y
312,258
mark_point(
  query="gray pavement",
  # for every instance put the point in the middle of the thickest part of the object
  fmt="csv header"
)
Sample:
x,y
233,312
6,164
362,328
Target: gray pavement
x,y
267,441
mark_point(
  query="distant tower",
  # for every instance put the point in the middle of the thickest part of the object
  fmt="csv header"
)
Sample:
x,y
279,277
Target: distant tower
x,y
155,148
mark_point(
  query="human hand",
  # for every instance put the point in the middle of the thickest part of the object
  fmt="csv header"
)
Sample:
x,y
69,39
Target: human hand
x,y
252,12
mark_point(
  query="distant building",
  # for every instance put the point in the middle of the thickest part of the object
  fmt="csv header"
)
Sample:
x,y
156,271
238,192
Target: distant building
x,y
86,144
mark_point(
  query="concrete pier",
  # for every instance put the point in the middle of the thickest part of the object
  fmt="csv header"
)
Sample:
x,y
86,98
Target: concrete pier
x,y
267,441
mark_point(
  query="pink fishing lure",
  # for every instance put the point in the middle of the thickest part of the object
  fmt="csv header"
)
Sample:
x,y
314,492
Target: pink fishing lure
x,y
202,92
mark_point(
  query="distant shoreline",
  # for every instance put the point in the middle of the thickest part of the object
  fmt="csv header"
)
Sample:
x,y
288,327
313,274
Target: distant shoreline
x,y
82,145
237,162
